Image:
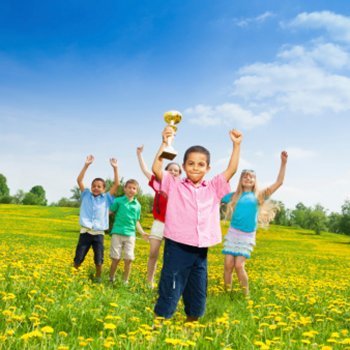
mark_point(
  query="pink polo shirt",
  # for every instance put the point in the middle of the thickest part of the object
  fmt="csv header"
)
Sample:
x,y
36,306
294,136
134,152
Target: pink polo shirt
x,y
193,213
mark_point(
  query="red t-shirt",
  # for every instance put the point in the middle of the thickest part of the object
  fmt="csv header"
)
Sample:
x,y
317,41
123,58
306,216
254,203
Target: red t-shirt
x,y
160,200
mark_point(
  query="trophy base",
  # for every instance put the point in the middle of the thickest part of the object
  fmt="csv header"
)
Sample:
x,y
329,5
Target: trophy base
x,y
168,154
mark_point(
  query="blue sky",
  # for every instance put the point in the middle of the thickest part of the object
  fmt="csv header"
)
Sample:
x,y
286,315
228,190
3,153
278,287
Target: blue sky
x,y
88,77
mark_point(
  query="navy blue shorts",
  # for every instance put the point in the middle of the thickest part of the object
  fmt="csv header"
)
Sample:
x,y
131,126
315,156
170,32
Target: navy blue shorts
x,y
86,241
184,273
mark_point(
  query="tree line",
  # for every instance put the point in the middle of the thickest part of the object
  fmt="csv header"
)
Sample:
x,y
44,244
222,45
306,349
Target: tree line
x,y
314,218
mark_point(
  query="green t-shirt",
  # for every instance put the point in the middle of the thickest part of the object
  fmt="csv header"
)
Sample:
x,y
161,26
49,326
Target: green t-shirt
x,y
127,213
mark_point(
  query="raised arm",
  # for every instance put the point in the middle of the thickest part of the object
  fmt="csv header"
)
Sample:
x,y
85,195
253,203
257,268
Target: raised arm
x,y
115,185
280,178
157,166
89,159
236,138
142,163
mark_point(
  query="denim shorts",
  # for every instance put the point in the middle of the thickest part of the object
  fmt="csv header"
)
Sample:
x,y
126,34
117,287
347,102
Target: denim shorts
x,y
184,273
86,241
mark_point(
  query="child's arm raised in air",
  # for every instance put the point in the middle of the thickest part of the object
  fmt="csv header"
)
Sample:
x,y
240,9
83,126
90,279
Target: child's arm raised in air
x,y
141,231
115,185
280,178
236,138
142,163
89,159
157,166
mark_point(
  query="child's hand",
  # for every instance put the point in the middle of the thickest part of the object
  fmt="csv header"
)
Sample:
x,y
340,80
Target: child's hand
x,y
139,150
167,132
145,236
89,159
236,136
113,162
284,157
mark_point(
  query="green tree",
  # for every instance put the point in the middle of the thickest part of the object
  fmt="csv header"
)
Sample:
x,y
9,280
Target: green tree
x,y
345,218
282,215
317,219
76,194
299,215
334,222
36,196
4,190
18,197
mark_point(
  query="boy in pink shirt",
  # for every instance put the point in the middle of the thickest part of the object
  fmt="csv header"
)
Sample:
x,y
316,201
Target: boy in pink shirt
x,y
192,224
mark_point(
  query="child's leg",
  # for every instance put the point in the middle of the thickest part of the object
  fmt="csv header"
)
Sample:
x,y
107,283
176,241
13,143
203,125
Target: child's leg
x,y
113,268
195,291
98,248
115,254
241,273
127,269
152,260
82,249
229,264
173,278
129,256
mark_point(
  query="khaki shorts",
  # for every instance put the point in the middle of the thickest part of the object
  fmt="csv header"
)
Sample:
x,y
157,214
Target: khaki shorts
x,y
157,230
120,244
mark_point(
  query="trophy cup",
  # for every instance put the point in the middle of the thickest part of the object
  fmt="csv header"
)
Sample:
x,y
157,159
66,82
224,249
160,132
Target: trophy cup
x,y
171,118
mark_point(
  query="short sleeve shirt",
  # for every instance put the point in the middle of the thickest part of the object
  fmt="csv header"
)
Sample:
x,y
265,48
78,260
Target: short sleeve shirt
x,y
94,210
193,215
127,213
245,215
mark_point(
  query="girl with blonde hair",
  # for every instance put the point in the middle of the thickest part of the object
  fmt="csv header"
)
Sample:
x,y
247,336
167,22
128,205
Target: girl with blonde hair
x,y
247,207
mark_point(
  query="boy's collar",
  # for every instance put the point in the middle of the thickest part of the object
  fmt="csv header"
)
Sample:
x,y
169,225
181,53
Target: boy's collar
x,y
202,183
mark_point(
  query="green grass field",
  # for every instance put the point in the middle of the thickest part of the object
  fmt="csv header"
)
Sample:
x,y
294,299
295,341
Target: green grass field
x,y
300,293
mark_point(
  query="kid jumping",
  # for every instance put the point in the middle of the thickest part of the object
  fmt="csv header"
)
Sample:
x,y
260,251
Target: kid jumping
x,y
246,208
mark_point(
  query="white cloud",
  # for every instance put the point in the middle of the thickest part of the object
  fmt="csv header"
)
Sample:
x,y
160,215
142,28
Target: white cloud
x,y
337,26
299,153
298,81
244,22
229,114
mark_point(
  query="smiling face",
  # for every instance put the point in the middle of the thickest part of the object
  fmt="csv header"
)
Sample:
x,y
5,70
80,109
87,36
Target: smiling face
x,y
131,189
248,180
97,187
196,166
174,169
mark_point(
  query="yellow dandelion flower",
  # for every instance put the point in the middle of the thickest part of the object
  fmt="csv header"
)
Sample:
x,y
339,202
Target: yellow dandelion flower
x,y
47,329
305,341
63,347
63,334
109,326
83,343
326,347
10,332
335,335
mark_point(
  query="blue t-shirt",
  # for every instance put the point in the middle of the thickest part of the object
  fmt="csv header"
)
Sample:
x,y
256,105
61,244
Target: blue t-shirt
x,y
245,216
94,211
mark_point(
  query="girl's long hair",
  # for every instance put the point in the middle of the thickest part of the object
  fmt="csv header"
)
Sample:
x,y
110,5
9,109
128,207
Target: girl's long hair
x,y
267,208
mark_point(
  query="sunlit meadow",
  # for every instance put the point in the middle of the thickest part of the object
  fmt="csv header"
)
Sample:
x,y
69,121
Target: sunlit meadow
x,y
300,293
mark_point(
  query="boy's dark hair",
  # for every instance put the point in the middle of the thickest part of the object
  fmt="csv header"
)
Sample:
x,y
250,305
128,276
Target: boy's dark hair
x,y
99,179
197,149
173,163
131,181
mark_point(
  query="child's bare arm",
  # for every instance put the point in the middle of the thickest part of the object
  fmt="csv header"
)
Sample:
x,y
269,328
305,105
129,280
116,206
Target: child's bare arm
x,y
115,185
236,137
280,177
158,162
89,159
141,231
142,163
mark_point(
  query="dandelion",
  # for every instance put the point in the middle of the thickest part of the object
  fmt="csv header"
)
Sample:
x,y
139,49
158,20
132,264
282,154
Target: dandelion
x,y
47,329
109,326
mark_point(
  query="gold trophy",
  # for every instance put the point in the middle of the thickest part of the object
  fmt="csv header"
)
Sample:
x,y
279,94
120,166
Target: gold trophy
x,y
171,118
